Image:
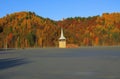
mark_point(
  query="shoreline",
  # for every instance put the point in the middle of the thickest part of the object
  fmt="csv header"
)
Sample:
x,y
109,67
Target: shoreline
x,y
8,49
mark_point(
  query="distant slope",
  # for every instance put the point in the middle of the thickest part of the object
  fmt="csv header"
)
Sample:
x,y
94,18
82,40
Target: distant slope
x,y
26,29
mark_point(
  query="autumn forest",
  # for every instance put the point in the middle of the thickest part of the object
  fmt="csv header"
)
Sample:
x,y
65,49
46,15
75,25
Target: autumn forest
x,y
27,29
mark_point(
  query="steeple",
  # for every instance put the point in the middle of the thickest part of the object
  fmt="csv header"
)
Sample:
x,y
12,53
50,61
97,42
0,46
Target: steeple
x,y
62,36
62,40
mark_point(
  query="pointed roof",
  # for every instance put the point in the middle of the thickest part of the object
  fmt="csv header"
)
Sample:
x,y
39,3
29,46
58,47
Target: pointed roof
x,y
62,36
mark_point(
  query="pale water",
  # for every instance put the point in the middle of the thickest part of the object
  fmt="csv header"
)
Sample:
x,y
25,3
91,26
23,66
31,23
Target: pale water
x,y
55,63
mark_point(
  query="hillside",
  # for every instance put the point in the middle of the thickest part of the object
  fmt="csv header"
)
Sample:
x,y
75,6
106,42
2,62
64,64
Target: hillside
x,y
26,29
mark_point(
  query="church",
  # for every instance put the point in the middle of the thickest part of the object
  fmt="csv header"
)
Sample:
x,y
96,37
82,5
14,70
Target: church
x,y
62,40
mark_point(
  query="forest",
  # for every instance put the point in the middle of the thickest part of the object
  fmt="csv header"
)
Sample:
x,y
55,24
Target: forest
x,y
29,30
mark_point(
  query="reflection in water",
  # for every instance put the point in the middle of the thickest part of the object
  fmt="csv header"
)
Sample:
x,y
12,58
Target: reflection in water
x,y
11,62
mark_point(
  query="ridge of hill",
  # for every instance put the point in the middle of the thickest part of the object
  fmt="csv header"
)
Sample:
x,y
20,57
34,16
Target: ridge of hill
x,y
26,29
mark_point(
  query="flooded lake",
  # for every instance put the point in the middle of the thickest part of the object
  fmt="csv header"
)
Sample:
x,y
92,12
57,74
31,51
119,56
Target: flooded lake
x,y
55,63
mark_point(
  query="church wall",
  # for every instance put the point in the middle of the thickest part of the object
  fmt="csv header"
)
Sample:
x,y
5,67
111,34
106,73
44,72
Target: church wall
x,y
62,44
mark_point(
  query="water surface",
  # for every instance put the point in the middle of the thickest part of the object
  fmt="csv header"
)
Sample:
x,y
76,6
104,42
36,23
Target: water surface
x,y
55,63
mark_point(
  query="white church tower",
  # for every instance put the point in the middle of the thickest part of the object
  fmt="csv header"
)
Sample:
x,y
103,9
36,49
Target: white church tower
x,y
62,40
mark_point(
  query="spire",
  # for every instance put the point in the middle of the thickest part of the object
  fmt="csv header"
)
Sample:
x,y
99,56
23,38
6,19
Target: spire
x,y
62,36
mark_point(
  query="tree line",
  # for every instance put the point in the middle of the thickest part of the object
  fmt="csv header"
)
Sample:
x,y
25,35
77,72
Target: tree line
x,y
26,29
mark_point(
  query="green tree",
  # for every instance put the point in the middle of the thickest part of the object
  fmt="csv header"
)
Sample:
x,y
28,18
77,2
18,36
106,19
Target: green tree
x,y
31,37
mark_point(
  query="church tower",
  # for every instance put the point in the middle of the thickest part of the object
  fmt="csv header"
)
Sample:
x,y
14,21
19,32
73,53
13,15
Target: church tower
x,y
62,40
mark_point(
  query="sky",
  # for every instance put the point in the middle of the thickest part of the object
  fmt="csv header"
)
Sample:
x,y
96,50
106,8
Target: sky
x,y
59,9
